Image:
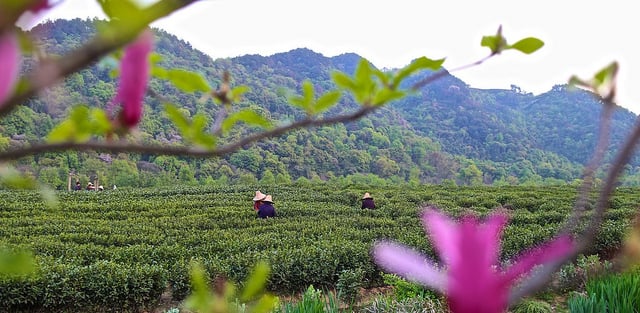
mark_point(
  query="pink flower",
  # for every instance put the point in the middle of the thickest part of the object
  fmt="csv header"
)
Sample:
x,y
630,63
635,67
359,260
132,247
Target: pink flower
x,y
134,76
9,63
40,5
470,249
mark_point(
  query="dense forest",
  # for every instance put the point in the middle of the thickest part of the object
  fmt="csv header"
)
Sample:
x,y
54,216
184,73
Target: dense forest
x,y
446,133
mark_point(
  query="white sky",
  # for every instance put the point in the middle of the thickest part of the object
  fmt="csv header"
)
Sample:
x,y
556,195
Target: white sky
x,y
581,36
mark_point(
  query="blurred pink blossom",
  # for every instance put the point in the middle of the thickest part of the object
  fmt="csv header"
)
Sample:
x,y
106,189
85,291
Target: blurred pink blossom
x,y
472,279
9,64
40,5
134,76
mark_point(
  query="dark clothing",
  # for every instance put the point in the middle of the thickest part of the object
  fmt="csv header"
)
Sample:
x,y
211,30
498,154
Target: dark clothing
x,y
368,203
78,187
266,210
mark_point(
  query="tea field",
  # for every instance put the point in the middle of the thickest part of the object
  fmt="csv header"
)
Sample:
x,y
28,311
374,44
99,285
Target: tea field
x,y
124,248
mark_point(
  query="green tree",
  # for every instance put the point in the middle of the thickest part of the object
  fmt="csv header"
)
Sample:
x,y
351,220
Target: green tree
x,y
186,174
267,178
471,175
53,177
123,173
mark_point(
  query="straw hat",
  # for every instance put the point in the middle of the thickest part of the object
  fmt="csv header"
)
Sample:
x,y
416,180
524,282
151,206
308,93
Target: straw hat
x,y
259,196
267,199
367,196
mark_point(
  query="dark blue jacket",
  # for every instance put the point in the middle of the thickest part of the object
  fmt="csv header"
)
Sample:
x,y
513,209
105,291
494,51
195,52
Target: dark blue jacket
x,y
266,210
368,203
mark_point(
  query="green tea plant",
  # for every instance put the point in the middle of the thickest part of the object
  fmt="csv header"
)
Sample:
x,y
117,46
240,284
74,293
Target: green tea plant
x,y
403,289
349,283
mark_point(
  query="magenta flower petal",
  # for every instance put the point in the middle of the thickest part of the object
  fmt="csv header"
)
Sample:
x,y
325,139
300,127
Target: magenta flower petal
x,y
39,6
470,249
134,76
409,264
444,233
474,284
550,251
9,63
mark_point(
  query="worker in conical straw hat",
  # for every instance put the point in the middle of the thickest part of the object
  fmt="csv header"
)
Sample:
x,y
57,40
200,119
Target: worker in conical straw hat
x,y
257,200
266,208
367,201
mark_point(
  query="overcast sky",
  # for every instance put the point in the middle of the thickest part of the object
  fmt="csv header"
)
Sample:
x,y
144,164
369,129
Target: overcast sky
x,y
581,36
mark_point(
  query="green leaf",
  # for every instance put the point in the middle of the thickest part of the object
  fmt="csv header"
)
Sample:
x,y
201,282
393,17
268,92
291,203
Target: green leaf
x,y
308,94
306,100
528,45
198,134
606,74
16,262
386,95
201,298
205,140
247,116
199,122
159,72
382,76
101,123
265,304
81,124
421,63
237,92
326,101
62,132
188,81
343,80
174,114
256,282
12,179
297,101
119,9
363,73
491,42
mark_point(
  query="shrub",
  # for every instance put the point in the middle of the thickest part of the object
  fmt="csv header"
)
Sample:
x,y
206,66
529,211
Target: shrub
x,y
533,306
403,289
349,284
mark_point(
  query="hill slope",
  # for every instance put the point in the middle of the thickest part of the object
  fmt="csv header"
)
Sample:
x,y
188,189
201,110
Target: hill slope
x,y
445,132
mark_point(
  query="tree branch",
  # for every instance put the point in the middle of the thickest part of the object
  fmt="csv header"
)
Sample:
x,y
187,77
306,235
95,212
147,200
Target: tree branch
x,y
51,70
117,147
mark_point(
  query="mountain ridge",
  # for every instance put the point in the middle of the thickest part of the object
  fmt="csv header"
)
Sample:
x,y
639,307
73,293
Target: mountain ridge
x,y
446,132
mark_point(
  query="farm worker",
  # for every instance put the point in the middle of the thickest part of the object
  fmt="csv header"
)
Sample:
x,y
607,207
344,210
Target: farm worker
x,y
257,200
266,208
367,201
78,186
90,186
100,188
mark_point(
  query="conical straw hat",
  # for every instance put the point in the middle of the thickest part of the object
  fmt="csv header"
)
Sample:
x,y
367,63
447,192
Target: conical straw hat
x,y
259,196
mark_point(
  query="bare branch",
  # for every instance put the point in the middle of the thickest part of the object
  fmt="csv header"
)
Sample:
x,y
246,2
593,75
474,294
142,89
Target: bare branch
x,y
585,188
442,73
542,277
50,70
117,147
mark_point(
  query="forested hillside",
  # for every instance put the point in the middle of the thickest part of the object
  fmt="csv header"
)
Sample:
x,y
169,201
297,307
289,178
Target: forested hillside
x,y
445,133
